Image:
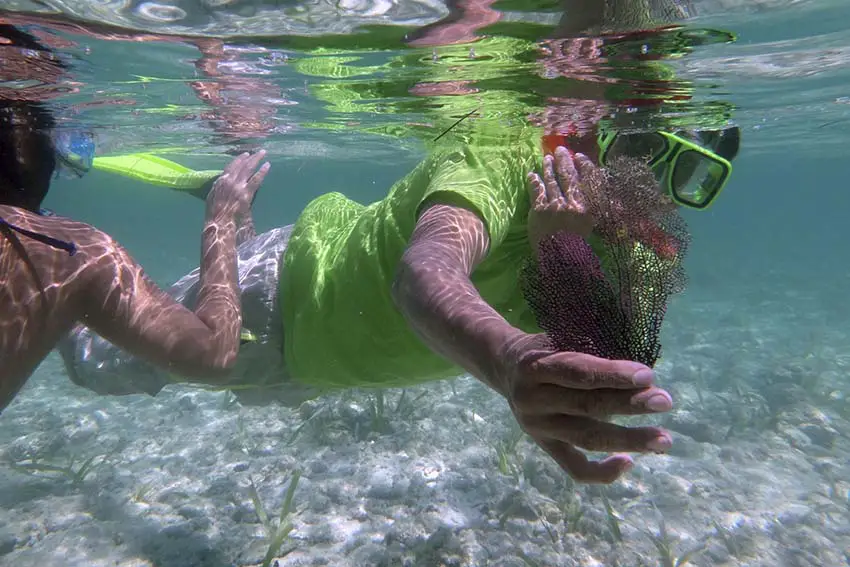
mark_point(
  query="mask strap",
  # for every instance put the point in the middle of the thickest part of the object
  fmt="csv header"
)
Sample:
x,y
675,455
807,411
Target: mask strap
x,y
68,247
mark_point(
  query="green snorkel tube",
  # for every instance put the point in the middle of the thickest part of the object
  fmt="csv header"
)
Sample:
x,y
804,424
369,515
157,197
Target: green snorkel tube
x,y
156,170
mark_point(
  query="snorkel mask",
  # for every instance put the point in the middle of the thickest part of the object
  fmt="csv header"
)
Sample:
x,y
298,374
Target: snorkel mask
x,y
74,152
691,171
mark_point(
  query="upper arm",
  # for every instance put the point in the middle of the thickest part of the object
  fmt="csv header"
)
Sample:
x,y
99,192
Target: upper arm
x,y
475,180
469,204
122,304
474,197
452,237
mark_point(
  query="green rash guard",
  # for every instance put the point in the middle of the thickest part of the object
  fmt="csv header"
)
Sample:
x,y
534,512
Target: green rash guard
x,y
341,324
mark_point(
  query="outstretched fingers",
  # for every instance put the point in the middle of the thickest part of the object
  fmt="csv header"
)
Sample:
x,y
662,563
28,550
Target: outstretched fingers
x,y
548,399
581,469
257,178
249,165
550,181
566,169
595,435
232,169
240,168
584,165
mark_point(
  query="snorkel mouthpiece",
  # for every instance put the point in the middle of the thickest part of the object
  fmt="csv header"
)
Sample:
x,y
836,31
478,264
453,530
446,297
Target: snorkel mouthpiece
x,y
75,151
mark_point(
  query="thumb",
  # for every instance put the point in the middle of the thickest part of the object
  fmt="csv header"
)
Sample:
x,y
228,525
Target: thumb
x,y
256,180
586,372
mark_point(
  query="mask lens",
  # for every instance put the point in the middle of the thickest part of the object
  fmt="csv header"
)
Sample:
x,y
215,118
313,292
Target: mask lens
x,y
696,178
643,146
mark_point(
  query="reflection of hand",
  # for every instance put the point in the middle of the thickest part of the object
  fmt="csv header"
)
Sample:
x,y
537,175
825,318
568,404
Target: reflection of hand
x,y
234,191
465,18
579,58
577,114
561,399
557,201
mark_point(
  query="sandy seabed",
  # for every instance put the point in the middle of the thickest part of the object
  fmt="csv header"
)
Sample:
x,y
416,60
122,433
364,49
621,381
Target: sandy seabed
x,y
440,475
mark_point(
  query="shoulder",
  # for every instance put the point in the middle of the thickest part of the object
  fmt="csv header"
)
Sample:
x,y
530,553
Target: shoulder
x,y
52,226
97,268
494,156
93,248
89,242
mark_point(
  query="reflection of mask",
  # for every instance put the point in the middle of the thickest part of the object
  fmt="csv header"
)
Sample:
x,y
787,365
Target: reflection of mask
x,y
74,152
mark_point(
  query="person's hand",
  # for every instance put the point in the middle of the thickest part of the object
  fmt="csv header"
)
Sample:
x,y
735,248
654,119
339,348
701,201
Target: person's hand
x,y
561,399
234,190
557,200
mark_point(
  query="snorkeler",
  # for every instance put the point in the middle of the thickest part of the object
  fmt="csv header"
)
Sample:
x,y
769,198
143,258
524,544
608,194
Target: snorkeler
x,y
424,285
55,272
354,296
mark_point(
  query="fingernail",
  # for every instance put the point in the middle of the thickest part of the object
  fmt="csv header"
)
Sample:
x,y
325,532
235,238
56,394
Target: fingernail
x,y
643,377
659,402
659,444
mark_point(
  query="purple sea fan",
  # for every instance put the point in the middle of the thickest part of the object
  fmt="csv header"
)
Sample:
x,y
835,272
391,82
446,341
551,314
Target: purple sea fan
x,y
611,305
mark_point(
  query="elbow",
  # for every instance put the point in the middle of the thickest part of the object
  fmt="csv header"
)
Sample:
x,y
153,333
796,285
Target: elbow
x,y
221,369
414,284
400,291
422,277
212,366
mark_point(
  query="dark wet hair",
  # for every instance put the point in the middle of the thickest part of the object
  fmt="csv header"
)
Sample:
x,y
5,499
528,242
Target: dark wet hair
x,y
27,158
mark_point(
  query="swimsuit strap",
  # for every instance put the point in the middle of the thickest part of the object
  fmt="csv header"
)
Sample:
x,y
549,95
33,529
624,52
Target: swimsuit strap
x,y
68,247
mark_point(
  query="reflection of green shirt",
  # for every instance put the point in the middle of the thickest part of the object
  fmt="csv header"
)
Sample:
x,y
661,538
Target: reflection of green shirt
x,y
341,325
504,71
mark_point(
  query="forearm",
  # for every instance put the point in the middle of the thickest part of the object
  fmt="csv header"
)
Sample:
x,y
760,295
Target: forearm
x,y
452,319
433,290
218,304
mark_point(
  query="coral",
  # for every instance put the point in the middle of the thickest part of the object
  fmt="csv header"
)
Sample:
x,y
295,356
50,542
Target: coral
x,y
612,304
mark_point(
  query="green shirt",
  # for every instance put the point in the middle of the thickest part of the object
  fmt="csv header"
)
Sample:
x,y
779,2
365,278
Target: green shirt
x,y
341,325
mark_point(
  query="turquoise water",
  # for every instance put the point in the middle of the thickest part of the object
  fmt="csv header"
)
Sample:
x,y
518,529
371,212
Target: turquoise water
x,y
756,351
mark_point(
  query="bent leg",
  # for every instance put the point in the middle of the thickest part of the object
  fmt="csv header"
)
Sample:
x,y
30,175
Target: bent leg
x,y
259,375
